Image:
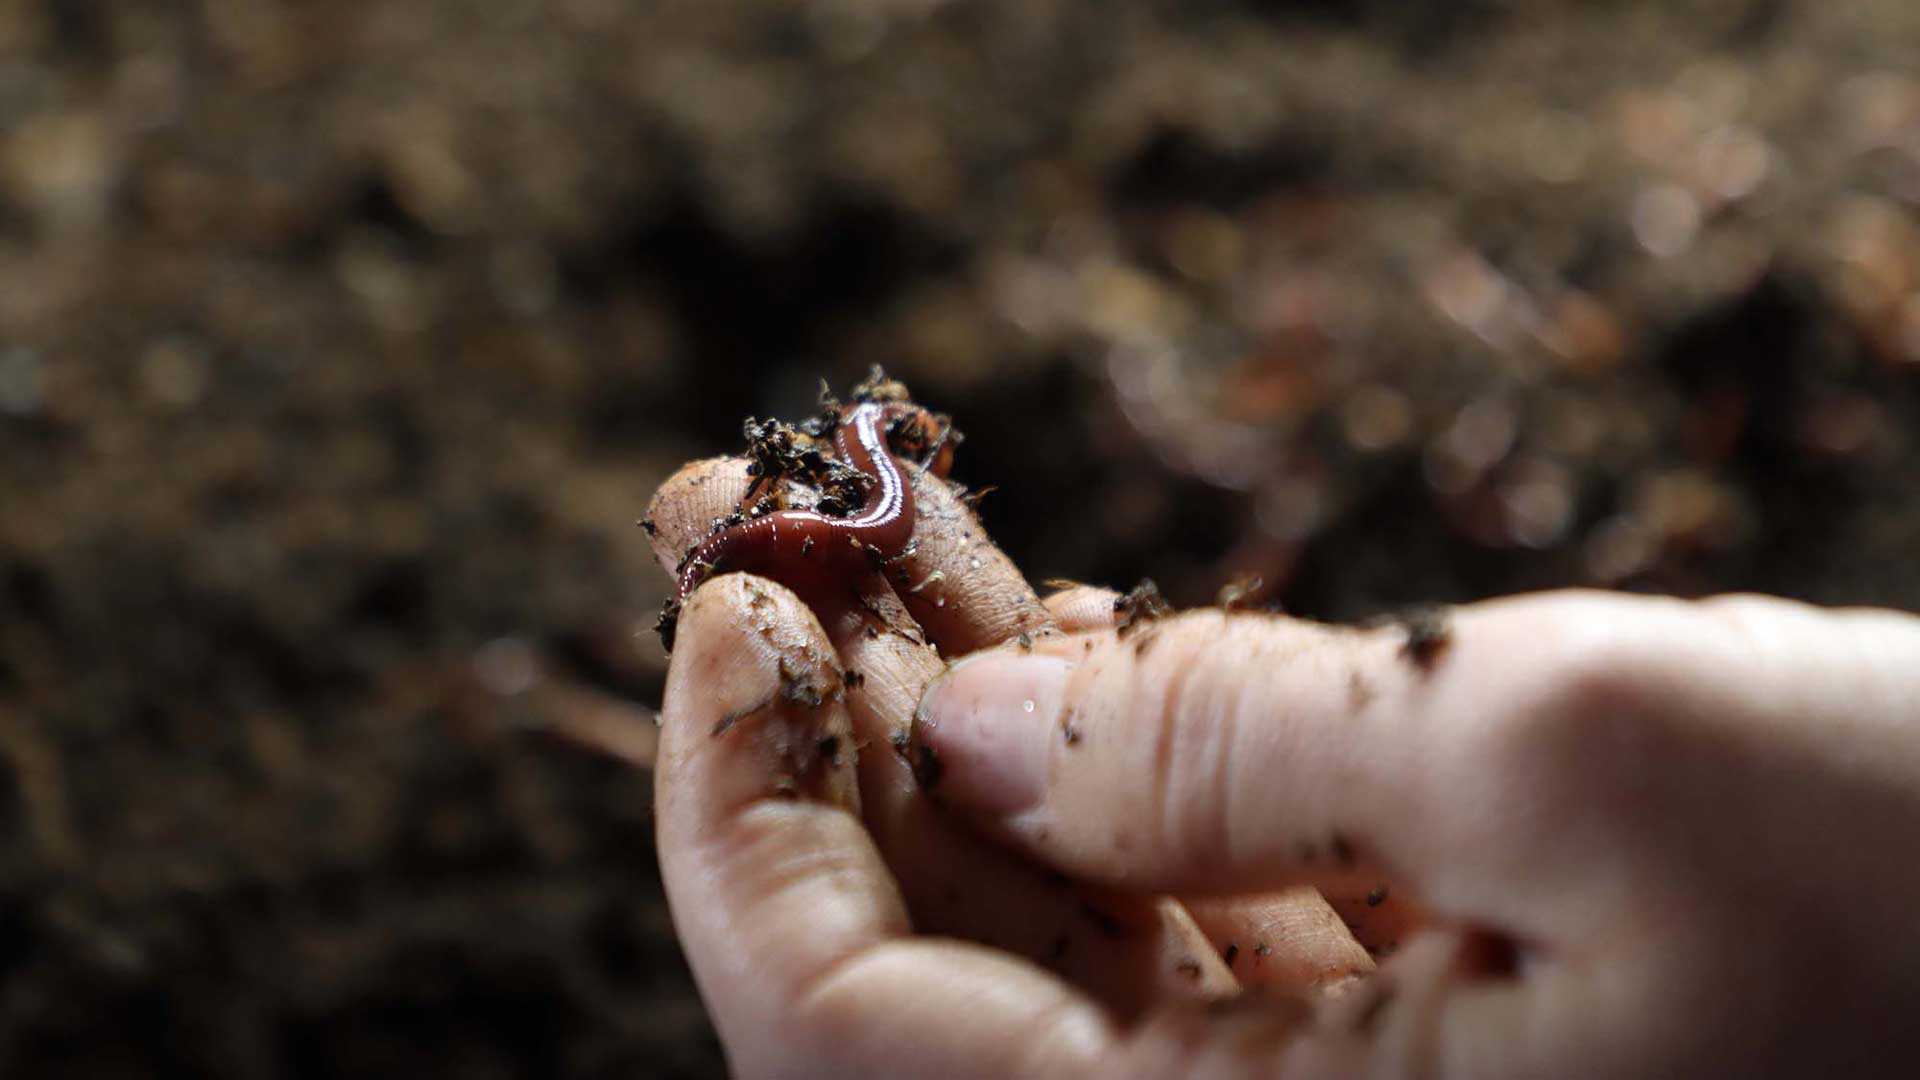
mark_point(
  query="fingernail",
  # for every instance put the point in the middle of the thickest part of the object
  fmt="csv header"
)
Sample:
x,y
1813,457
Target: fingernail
x,y
989,721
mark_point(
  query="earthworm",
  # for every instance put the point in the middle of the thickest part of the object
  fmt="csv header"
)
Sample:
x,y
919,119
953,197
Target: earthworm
x,y
808,542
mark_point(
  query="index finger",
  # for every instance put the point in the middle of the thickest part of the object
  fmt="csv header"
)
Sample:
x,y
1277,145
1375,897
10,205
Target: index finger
x,y
798,934
957,582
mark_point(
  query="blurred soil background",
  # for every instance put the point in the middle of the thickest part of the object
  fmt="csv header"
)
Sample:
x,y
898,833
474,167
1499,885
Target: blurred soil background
x,y
342,342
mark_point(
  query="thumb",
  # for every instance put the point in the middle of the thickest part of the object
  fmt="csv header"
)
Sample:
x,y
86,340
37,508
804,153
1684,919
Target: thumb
x,y
1227,752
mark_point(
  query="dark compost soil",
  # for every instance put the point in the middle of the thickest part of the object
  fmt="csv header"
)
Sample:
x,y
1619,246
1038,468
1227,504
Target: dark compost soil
x,y
341,343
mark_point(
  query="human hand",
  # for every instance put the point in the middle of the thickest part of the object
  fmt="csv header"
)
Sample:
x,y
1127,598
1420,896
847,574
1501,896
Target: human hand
x,y
1649,837
1619,818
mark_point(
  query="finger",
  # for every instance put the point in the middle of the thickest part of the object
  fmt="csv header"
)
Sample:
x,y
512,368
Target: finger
x,y
1434,1010
1082,607
1295,939
1431,1011
693,500
1127,950
795,929
1289,941
1379,916
956,582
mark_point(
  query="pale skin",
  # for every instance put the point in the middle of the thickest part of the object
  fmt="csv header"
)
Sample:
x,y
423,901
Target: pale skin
x,y
1601,835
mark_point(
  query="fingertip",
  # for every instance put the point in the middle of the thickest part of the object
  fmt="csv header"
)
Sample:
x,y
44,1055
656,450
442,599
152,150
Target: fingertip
x,y
1292,940
682,510
959,586
770,875
754,704
983,729
1080,607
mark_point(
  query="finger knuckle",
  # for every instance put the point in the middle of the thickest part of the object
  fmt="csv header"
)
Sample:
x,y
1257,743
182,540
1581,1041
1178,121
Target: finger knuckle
x,y
1588,686
1189,744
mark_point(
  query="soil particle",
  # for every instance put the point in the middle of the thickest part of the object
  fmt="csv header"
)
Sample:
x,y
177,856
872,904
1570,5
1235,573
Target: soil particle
x,y
1139,606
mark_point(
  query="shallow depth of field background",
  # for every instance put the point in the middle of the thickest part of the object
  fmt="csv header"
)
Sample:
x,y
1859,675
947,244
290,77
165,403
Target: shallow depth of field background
x,y
341,343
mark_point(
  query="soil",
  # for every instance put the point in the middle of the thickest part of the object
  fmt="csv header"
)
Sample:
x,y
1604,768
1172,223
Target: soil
x,y
341,344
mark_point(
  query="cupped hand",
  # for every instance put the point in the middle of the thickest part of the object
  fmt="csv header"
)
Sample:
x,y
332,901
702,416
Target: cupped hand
x,y
1618,836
